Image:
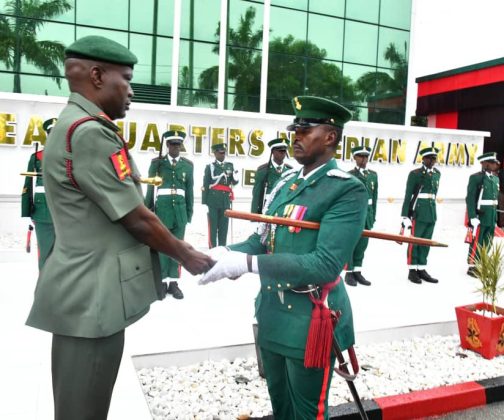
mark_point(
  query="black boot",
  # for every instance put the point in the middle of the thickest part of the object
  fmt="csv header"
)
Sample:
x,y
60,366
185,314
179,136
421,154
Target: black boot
x,y
426,277
360,278
350,279
414,277
174,290
471,271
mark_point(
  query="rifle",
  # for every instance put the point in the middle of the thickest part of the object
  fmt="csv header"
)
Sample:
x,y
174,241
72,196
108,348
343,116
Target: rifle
x,y
303,224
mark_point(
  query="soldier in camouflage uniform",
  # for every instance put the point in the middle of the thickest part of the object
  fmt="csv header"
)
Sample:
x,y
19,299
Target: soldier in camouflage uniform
x,y
370,180
174,201
217,194
419,212
481,201
268,174
33,202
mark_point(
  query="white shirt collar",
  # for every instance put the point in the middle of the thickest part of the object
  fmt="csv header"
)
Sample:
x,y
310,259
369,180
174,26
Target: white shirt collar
x,y
311,173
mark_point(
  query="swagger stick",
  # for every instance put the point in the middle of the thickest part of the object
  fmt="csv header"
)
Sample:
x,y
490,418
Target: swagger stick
x,y
316,226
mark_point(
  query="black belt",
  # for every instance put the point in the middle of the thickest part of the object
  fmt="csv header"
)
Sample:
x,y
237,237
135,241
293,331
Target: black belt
x,y
307,289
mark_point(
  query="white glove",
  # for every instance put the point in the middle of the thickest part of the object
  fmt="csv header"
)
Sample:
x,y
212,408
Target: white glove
x,y
406,222
475,223
232,265
217,253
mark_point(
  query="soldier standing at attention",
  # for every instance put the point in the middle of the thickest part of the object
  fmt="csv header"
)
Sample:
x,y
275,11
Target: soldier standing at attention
x,y
268,174
174,201
33,202
217,194
299,268
481,201
419,212
103,272
370,180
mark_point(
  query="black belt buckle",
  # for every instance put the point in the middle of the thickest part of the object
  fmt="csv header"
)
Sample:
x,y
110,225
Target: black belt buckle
x,y
306,289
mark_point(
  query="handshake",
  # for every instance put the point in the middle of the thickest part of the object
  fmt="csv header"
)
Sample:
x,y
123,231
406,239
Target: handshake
x,y
229,264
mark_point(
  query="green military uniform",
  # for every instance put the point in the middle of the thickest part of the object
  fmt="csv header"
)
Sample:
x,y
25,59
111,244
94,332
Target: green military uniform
x,y
267,175
217,194
174,201
98,279
291,259
481,200
34,205
370,180
420,206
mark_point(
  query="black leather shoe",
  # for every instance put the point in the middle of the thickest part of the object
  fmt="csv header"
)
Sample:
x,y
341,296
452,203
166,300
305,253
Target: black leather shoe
x,y
350,279
471,271
426,277
360,278
174,290
414,277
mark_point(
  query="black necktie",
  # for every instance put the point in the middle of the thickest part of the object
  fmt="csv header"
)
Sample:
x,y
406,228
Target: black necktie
x,y
174,161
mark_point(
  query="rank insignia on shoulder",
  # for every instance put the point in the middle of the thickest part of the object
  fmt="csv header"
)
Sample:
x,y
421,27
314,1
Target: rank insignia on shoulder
x,y
338,173
121,164
25,190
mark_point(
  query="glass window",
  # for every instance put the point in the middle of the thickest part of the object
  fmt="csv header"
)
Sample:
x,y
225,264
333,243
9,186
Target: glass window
x,y
393,48
64,14
142,16
163,61
327,34
106,14
198,74
200,20
363,79
142,47
361,41
396,13
6,82
42,85
328,7
365,10
325,78
121,37
296,26
245,24
293,4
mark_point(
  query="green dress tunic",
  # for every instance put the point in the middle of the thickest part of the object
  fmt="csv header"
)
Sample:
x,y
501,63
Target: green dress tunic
x,y
172,201
266,177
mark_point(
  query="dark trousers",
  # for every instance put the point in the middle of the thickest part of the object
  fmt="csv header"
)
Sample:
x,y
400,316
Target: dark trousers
x,y
417,254
170,268
45,241
217,227
358,254
84,371
483,236
296,393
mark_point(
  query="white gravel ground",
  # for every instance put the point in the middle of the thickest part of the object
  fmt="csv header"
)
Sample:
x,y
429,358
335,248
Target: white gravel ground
x,y
218,390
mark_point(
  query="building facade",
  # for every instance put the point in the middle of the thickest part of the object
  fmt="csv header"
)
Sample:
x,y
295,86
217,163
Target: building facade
x,y
246,55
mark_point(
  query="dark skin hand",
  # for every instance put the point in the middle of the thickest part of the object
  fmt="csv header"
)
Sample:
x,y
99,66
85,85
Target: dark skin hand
x,y
145,227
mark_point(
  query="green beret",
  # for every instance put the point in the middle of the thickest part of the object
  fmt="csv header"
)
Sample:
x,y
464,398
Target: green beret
x,y
49,124
280,143
429,151
99,48
489,156
174,137
311,111
219,146
361,150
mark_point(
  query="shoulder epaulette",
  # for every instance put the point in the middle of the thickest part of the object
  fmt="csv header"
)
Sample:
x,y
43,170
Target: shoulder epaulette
x,y
103,120
263,166
418,170
338,173
436,170
353,171
289,173
288,166
190,162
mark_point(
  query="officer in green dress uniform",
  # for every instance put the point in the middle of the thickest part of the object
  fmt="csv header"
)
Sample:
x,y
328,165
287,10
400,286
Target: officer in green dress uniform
x,y
419,212
33,202
268,174
370,180
299,268
481,201
103,272
174,201
217,194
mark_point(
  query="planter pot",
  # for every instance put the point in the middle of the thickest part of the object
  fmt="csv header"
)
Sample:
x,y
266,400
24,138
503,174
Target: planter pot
x,y
480,333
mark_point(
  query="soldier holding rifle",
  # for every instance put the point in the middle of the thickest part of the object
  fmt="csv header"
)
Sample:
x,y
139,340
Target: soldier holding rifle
x,y
419,213
103,272
268,174
481,200
34,205
299,268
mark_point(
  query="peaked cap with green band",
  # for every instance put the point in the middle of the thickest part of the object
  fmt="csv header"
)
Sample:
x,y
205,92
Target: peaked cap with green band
x,y
48,125
218,146
99,48
488,157
429,151
174,136
280,143
311,111
361,150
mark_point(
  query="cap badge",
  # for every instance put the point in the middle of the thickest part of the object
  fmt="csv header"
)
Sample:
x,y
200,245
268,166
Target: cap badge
x,y
298,104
